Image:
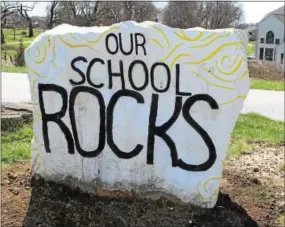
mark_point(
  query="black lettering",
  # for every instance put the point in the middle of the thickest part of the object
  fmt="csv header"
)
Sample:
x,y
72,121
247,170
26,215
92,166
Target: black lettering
x,y
131,44
178,92
152,76
110,112
160,131
145,74
80,58
140,44
94,60
107,43
101,144
120,74
187,116
55,117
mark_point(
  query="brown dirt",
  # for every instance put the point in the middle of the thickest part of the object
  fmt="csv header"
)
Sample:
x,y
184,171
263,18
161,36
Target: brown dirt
x,y
250,196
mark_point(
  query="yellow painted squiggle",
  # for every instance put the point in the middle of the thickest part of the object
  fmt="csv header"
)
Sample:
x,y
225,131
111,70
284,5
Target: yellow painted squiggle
x,y
102,35
210,83
172,51
74,45
163,34
200,196
224,58
232,71
208,37
232,100
43,57
176,59
54,53
213,54
224,80
157,42
211,41
184,36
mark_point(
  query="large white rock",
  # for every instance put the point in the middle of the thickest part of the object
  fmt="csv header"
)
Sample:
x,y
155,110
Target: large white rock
x,y
140,107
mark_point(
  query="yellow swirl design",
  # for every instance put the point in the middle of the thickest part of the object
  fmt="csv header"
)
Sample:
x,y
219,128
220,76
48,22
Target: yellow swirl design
x,y
210,83
102,35
230,73
163,34
34,82
74,45
211,41
172,51
208,37
43,57
176,59
157,42
224,58
184,36
224,80
243,43
38,52
233,100
54,53
200,196
213,54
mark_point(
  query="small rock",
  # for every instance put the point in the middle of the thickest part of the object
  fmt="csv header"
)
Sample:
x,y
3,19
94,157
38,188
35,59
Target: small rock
x,y
8,182
256,170
256,181
11,175
16,191
27,188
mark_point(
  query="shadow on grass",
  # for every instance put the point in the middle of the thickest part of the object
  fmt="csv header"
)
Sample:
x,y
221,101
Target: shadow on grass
x,y
55,205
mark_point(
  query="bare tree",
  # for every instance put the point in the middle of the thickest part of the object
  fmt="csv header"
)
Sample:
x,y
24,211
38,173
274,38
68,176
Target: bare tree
x,y
7,9
139,11
219,14
52,17
24,11
180,14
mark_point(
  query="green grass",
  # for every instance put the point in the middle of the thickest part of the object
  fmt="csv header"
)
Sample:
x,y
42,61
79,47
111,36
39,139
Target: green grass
x,y
16,145
13,69
9,35
267,85
250,128
251,48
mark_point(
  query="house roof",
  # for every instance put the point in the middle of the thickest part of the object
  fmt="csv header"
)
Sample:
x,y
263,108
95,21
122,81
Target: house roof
x,y
279,14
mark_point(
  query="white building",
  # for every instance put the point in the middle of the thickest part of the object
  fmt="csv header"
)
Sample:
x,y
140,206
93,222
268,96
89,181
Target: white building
x,y
270,38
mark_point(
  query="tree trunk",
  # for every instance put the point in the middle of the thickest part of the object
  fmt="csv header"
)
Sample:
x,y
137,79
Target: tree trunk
x,y
14,29
31,31
2,36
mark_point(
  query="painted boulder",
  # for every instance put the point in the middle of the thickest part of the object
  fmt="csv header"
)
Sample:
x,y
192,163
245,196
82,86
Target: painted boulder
x,y
137,107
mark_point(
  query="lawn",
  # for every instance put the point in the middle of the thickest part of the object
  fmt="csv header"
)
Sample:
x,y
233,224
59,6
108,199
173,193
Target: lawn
x,y
12,69
267,85
251,48
9,35
250,128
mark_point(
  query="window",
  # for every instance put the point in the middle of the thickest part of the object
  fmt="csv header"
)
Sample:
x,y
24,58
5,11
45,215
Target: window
x,y
277,41
250,33
262,40
270,37
261,50
268,54
282,58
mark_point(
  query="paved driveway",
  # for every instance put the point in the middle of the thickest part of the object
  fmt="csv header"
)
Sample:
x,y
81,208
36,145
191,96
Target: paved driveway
x,y
16,88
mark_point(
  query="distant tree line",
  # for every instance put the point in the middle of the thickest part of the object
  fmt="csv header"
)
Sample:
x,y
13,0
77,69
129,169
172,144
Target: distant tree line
x,y
186,14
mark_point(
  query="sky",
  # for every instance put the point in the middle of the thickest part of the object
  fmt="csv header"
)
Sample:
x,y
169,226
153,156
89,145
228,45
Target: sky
x,y
253,11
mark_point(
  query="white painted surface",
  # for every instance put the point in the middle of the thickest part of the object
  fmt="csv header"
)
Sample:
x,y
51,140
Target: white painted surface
x,y
223,52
